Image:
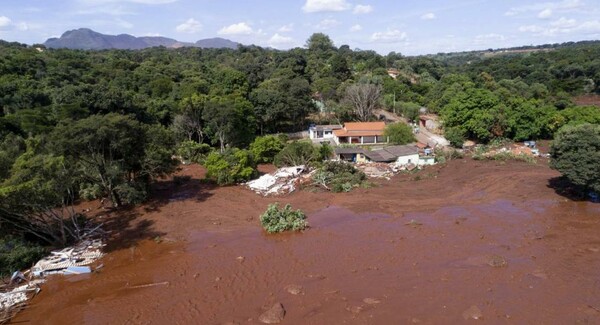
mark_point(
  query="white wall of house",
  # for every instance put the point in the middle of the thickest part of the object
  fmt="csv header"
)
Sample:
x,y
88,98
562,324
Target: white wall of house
x,y
408,159
426,160
325,134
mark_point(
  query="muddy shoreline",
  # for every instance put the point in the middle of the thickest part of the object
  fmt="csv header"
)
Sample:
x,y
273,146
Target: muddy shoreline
x,y
491,235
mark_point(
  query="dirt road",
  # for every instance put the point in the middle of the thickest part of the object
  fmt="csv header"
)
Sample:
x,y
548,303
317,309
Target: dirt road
x,y
469,239
424,136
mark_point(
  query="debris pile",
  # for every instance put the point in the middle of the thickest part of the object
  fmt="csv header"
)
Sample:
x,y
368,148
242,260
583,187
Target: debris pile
x,y
24,286
14,300
383,170
284,180
70,260
377,170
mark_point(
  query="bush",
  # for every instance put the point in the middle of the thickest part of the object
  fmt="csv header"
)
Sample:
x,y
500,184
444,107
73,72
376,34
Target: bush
x,y
265,148
456,136
16,254
297,153
231,167
399,133
279,220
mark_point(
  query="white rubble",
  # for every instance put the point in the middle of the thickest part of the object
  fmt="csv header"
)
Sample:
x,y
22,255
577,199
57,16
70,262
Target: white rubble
x,y
281,181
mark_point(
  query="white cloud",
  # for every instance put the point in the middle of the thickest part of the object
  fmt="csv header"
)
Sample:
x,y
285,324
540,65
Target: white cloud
x,y
362,9
236,29
562,6
564,23
280,40
327,24
5,22
545,14
428,16
491,38
22,26
286,28
190,26
389,36
356,28
124,23
325,5
145,2
564,26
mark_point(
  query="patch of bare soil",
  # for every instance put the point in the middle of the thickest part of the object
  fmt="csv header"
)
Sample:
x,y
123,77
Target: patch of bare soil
x,y
587,100
468,240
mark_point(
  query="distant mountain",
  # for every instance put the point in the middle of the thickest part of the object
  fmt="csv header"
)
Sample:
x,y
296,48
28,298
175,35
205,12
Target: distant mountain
x,y
217,43
87,39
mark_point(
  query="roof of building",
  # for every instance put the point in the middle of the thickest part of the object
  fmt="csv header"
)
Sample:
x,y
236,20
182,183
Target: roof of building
x,y
364,126
361,129
326,127
400,151
348,150
387,154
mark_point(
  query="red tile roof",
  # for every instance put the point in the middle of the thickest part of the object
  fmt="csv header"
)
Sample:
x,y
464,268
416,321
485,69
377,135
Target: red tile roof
x,y
361,129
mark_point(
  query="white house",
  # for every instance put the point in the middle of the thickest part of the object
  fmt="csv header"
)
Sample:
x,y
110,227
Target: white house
x,y
318,132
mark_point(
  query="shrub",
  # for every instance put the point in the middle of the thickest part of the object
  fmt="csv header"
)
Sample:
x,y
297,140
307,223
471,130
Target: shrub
x,y
16,254
399,133
230,167
279,220
265,148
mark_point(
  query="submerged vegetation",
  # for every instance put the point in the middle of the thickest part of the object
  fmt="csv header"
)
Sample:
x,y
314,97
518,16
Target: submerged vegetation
x,y
277,219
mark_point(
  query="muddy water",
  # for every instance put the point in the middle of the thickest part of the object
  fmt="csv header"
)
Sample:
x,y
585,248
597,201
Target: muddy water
x,y
535,262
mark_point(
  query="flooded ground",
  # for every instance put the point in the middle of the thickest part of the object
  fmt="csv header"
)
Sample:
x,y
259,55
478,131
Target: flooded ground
x,y
469,240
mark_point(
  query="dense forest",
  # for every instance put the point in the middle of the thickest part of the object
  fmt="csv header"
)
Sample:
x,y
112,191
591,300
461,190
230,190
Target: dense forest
x,y
102,124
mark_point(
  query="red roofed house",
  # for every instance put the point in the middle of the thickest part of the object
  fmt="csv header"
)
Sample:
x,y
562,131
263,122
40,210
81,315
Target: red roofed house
x,y
360,133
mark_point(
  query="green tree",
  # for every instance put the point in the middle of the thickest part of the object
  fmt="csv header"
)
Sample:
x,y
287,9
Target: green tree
x,y
456,136
230,121
230,167
575,153
399,133
115,153
265,148
37,198
297,153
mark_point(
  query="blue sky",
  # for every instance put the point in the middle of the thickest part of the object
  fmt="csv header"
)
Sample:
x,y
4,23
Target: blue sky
x,y
408,26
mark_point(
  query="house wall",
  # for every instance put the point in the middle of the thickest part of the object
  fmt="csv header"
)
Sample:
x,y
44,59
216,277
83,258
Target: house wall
x,y
328,134
409,159
427,160
360,158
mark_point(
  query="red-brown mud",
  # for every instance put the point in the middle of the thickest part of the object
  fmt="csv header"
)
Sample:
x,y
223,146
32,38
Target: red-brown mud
x,y
484,234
